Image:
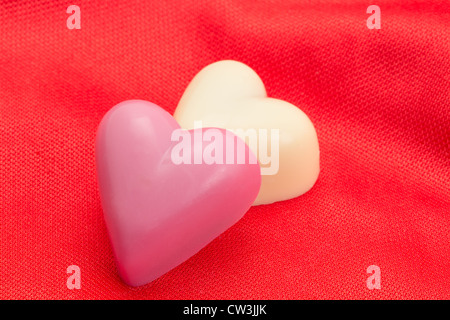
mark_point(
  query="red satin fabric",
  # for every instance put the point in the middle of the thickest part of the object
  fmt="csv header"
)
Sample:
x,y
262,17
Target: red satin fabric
x,y
379,100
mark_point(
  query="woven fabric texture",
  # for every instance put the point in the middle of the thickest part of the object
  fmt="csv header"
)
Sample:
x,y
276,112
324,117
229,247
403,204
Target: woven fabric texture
x,y
379,99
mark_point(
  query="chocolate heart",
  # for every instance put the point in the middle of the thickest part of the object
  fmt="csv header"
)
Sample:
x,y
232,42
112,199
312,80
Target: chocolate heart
x,y
161,204
228,94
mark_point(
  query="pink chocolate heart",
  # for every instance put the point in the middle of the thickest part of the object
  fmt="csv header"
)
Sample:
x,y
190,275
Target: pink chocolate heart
x,y
159,212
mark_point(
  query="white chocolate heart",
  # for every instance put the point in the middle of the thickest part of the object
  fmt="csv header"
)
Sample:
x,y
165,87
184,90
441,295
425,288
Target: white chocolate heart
x,y
230,95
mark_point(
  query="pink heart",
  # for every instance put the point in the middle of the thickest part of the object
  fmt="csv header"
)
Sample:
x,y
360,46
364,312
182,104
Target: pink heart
x,y
159,213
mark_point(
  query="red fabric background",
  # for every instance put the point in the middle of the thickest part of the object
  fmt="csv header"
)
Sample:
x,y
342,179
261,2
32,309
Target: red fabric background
x,y
379,100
